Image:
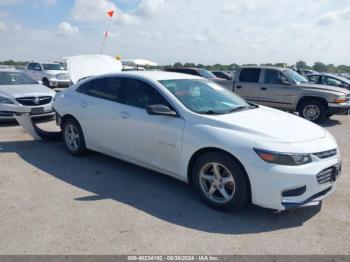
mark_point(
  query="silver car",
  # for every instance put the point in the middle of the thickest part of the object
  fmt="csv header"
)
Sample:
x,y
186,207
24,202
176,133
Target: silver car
x,y
20,93
285,89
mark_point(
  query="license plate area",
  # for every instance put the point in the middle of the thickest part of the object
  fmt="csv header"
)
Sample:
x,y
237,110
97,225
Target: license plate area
x,y
37,110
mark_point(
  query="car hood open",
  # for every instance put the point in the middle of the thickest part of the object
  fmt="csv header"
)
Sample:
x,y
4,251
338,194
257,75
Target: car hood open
x,y
267,124
25,90
82,66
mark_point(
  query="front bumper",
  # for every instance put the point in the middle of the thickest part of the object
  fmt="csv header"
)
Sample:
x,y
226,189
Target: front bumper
x,y
60,82
339,109
269,183
7,111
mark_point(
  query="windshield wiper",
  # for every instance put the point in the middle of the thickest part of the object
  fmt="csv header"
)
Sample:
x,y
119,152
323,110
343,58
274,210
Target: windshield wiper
x,y
210,112
239,108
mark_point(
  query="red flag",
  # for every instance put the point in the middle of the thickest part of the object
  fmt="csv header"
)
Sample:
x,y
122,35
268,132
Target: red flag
x,y
110,13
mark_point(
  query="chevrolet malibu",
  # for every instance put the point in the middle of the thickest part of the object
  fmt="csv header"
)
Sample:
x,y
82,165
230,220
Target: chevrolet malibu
x,y
231,151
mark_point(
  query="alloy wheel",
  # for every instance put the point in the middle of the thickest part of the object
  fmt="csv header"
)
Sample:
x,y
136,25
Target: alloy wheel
x,y
217,183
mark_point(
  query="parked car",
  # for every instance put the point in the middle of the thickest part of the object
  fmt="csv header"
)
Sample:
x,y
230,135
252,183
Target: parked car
x,y
201,73
223,75
330,80
50,74
285,89
306,72
194,130
19,92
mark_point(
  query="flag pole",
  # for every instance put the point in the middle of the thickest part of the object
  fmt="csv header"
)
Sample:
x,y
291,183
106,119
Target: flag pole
x,y
110,14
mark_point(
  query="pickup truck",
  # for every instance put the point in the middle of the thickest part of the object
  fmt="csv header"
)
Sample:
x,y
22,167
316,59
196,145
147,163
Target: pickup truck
x,y
50,74
285,89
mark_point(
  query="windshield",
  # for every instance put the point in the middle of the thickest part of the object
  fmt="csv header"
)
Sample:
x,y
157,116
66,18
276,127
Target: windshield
x,y
206,74
53,67
204,96
291,74
15,78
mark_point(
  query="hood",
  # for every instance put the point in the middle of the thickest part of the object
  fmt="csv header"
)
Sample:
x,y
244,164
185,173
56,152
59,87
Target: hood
x,y
325,88
25,90
83,66
267,124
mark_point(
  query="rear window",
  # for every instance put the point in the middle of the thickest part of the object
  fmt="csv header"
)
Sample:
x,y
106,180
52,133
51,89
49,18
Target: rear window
x,y
250,75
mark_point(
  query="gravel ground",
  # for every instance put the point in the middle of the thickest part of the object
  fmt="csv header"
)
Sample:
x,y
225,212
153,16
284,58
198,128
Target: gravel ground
x,y
53,203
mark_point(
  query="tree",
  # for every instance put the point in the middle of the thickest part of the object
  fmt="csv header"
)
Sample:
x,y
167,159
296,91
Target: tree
x,y
320,67
177,64
301,65
189,65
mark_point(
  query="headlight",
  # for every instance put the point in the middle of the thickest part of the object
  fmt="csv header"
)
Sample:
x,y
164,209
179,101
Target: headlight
x,y
52,75
283,158
4,100
342,99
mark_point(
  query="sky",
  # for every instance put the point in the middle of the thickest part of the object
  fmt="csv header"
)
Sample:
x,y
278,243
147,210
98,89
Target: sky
x,y
169,31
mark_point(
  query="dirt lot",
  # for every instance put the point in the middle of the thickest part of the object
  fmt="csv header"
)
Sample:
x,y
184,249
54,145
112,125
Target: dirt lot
x,y
53,203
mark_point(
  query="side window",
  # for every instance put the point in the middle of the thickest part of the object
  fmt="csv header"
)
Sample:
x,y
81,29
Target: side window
x,y
104,88
274,77
139,94
314,79
250,75
192,72
332,81
37,67
31,66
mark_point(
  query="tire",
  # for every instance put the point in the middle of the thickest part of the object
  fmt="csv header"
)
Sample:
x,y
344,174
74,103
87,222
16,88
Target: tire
x,y
73,138
313,110
46,83
231,179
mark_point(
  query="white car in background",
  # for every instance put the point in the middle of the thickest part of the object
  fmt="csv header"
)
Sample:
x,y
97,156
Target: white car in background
x,y
21,94
194,130
50,74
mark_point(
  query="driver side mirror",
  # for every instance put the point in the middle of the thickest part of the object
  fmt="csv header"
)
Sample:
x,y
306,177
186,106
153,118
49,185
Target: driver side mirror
x,y
160,110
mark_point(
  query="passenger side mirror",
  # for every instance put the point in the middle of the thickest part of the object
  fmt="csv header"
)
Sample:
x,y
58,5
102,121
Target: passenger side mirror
x,y
160,110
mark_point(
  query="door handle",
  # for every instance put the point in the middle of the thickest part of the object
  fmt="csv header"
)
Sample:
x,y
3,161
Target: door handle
x,y
124,115
84,105
239,87
264,88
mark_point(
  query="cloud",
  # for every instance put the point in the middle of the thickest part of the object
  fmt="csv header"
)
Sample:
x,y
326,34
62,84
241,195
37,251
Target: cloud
x,y
3,27
149,7
92,10
66,29
334,16
8,2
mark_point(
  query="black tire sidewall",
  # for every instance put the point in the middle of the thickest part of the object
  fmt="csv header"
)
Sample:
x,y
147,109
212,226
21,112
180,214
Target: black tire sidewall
x,y
46,82
241,195
321,107
82,148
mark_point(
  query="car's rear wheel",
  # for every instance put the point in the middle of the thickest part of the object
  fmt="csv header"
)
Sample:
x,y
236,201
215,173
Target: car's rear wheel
x,y
220,181
73,137
313,110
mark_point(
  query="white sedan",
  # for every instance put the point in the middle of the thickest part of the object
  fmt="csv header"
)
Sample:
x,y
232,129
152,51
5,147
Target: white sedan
x,y
192,129
21,94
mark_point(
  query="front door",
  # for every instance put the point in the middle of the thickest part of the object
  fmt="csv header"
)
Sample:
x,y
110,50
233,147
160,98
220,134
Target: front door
x,y
275,90
153,140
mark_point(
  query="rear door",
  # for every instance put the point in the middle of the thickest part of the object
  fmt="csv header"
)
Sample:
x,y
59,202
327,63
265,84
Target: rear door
x,y
247,84
153,140
97,112
274,91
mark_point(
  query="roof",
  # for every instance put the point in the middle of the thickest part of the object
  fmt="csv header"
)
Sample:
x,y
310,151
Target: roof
x,y
157,75
266,67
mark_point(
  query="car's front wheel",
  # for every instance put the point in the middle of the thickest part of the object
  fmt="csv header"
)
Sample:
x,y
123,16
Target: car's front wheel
x,y
313,110
220,181
73,137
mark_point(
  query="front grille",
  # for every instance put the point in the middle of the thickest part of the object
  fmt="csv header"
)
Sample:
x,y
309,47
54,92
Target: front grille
x,y
34,101
326,154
